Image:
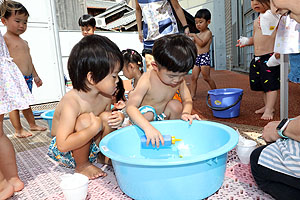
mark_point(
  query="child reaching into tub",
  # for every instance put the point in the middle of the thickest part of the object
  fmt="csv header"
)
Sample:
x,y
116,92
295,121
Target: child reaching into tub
x,y
83,116
202,41
263,78
15,21
152,98
133,66
87,24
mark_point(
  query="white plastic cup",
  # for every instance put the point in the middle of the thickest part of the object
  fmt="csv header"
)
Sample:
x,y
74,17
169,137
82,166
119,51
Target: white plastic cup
x,y
244,150
74,186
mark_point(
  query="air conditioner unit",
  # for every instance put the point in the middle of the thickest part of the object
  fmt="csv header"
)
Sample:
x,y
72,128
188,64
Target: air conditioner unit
x,y
100,22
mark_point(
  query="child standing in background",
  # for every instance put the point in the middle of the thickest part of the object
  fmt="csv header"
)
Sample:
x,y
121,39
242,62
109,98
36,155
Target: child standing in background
x,y
15,21
202,41
87,24
152,98
133,66
263,78
83,116
14,94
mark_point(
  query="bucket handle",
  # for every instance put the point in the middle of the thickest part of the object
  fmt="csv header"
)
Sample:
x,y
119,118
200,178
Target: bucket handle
x,y
223,108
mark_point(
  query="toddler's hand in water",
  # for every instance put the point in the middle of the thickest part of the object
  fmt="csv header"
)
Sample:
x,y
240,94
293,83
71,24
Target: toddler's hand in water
x,y
154,136
189,117
116,119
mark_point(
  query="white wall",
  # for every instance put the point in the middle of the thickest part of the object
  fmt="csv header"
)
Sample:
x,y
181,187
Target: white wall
x,y
51,63
40,36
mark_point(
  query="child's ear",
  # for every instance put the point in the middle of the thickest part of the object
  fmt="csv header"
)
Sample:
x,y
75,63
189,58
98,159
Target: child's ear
x,y
89,78
208,21
154,65
131,66
3,20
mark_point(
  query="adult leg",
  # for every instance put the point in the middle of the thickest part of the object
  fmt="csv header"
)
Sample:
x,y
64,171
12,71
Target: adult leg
x,y
173,109
205,71
81,155
14,117
8,164
277,184
31,121
270,104
195,75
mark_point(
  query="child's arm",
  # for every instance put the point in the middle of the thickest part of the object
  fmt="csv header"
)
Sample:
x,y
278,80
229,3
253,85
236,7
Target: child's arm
x,y
187,103
202,42
134,101
180,15
35,75
67,138
138,15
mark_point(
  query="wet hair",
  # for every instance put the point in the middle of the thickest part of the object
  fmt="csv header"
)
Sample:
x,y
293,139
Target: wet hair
x,y
87,20
120,90
13,6
203,13
132,56
96,54
175,52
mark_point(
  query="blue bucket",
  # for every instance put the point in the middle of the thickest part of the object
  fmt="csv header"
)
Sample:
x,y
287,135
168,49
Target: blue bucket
x,y
171,173
48,116
225,103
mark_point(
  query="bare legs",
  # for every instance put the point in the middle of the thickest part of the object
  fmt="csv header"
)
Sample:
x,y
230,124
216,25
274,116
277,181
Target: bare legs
x,y
81,155
14,117
9,179
205,71
268,109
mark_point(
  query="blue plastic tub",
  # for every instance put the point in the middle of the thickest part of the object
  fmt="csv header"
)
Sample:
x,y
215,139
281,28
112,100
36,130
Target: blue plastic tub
x,y
48,116
225,103
167,173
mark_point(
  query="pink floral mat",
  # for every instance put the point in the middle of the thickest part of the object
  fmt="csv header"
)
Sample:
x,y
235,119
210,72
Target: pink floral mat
x,y
41,177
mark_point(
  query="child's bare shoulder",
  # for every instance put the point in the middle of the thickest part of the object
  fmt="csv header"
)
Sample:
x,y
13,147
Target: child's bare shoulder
x,y
71,100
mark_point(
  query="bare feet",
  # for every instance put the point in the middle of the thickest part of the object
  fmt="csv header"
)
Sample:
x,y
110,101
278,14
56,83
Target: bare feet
x,y
38,128
16,183
6,190
90,170
268,114
23,134
261,110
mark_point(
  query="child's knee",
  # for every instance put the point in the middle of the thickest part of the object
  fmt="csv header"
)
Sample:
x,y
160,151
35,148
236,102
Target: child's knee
x,y
174,108
149,116
105,117
82,122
